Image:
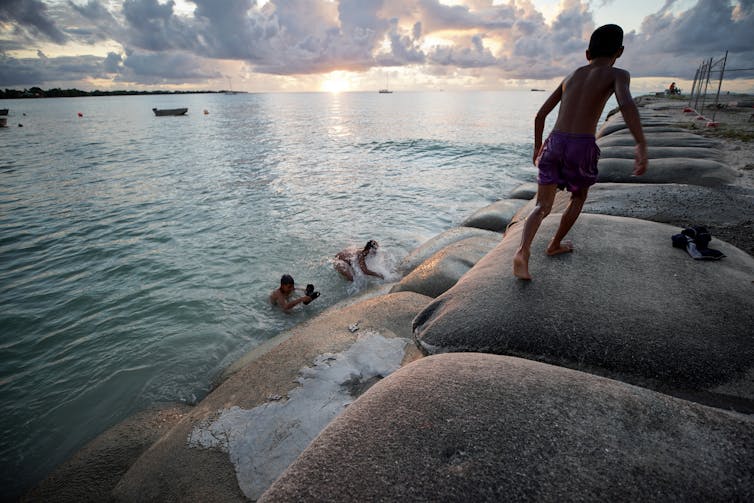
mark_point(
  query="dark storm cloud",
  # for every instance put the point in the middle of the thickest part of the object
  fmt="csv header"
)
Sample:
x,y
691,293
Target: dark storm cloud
x,y
31,16
33,71
154,26
92,10
20,72
675,45
161,68
234,30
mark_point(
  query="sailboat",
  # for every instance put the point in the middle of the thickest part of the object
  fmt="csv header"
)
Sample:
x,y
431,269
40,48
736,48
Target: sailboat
x,y
230,85
386,90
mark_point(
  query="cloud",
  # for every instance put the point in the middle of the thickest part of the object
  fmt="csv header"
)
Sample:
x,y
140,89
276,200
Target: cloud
x,y
154,27
482,17
152,68
94,23
475,55
296,37
404,47
31,19
33,71
675,45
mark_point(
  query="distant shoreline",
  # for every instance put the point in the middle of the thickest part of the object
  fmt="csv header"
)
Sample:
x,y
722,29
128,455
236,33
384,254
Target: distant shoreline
x,y
37,93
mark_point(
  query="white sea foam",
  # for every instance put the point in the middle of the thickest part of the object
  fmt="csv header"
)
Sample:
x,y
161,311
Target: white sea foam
x,y
263,441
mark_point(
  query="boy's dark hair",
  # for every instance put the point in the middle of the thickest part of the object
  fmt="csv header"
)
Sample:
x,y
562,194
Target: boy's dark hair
x,y
286,279
370,244
606,41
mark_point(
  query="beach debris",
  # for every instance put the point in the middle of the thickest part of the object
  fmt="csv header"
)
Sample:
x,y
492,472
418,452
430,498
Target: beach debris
x,y
274,397
354,326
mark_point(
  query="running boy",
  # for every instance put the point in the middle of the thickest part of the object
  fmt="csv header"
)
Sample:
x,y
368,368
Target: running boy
x,y
568,158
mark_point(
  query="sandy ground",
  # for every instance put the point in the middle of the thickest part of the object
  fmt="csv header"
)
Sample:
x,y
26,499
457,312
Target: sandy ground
x,y
93,471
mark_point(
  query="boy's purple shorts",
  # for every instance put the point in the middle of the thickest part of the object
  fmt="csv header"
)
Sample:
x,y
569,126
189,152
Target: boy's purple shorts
x,y
568,160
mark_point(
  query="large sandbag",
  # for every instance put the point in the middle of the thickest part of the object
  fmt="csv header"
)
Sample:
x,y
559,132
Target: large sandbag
x,y
675,170
685,205
659,140
443,269
486,428
629,152
496,216
524,191
250,414
681,204
625,304
437,243
617,127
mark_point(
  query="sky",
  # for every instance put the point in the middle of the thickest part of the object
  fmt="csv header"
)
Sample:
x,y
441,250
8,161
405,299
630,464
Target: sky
x,y
362,45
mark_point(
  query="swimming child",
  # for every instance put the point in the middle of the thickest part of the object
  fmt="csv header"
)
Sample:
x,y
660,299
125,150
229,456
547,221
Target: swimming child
x,y
280,296
344,260
568,158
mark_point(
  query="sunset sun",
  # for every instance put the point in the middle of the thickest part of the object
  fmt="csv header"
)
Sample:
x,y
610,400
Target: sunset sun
x,y
335,82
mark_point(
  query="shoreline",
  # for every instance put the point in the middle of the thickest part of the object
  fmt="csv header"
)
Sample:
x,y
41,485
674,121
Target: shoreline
x,y
161,432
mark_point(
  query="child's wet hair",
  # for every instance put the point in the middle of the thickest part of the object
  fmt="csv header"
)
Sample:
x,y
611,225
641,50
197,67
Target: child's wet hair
x,y
370,245
286,279
606,41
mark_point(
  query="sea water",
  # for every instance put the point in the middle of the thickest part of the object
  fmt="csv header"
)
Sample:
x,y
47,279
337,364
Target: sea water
x,y
137,252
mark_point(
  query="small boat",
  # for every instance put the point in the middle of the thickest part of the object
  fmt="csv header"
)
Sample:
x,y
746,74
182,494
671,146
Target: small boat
x,y
3,111
169,111
535,90
386,90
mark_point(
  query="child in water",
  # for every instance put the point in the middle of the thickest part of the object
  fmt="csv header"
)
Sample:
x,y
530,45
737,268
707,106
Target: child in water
x,y
281,296
344,260
568,158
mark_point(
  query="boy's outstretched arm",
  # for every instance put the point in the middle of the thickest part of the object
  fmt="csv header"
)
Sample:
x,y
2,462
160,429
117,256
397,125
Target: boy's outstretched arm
x,y
539,120
631,116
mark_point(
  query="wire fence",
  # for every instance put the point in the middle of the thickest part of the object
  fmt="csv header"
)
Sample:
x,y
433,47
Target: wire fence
x,y
712,72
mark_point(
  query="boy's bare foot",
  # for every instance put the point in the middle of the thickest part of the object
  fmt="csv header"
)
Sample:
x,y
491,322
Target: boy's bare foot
x,y
521,265
563,247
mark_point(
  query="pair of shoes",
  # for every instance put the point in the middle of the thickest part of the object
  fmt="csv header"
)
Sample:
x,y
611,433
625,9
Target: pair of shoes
x,y
695,240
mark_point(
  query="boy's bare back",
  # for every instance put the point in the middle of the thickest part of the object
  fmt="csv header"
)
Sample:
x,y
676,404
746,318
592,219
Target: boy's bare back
x,y
583,96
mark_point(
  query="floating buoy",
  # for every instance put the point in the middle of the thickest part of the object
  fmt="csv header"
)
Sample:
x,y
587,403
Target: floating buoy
x,y
688,110
713,124
700,118
80,114
206,112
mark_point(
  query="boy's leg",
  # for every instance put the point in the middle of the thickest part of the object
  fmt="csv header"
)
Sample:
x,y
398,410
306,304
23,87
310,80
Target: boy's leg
x,y
545,198
557,245
344,268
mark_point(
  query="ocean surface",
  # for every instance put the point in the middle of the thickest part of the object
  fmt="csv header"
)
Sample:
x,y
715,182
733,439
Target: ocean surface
x,y
137,252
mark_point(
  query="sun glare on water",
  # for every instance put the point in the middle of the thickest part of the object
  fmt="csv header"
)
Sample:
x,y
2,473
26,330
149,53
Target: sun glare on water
x,y
335,82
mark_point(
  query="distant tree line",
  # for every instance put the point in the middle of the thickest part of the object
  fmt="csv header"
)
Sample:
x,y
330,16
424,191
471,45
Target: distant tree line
x,y
36,92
